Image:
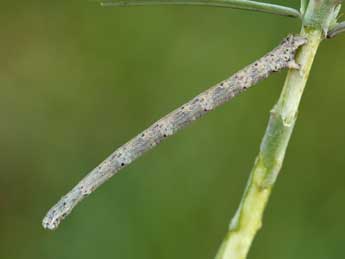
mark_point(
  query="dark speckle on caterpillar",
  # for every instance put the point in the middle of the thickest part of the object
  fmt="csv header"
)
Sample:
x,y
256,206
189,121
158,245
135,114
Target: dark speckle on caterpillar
x,y
283,56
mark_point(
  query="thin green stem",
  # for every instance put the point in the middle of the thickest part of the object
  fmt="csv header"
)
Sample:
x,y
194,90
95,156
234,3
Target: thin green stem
x,y
247,220
236,4
303,6
322,14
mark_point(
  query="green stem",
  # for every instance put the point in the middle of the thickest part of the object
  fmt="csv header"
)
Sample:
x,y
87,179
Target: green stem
x,y
319,16
236,4
303,6
247,220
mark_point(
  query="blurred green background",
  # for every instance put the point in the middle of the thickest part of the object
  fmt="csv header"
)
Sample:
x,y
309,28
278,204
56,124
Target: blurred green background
x,y
78,80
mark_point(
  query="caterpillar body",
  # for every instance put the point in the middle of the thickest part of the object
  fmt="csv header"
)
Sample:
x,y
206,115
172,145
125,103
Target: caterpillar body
x,y
283,56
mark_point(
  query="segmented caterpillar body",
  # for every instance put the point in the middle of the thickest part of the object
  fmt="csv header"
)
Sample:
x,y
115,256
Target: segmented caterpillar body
x,y
279,58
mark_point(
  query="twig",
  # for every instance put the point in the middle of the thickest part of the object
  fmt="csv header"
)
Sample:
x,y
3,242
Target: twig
x,y
279,58
236,4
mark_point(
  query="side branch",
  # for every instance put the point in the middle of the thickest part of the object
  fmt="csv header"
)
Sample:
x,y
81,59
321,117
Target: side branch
x,y
279,58
338,29
235,4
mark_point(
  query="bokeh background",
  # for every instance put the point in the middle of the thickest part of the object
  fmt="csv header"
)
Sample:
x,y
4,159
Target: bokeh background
x,y
78,80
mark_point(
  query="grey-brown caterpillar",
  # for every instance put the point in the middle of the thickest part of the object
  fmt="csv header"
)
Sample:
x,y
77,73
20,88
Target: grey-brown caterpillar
x,y
279,58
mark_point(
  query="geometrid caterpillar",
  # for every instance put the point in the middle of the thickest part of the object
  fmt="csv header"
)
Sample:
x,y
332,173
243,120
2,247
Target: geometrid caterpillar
x,y
274,61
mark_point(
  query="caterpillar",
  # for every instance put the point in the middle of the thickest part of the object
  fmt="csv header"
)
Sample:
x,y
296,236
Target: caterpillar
x,y
283,56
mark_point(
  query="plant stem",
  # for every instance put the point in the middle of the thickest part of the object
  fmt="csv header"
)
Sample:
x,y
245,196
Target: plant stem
x,y
319,16
248,218
236,4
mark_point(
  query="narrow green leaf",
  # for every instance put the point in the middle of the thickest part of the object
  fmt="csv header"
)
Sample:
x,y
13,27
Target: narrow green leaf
x,y
236,4
339,28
